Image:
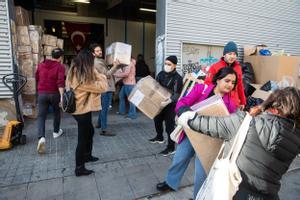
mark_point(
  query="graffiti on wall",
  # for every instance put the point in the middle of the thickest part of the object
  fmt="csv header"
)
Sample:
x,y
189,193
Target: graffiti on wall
x,y
197,58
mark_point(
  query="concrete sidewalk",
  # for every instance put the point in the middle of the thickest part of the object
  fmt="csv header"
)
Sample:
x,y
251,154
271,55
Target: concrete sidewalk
x,y
129,166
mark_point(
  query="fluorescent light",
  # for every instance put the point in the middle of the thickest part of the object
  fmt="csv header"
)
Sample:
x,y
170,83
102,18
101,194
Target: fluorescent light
x,y
147,10
81,1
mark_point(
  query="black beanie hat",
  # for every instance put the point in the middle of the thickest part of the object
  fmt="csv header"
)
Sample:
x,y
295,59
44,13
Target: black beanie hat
x,y
172,59
230,47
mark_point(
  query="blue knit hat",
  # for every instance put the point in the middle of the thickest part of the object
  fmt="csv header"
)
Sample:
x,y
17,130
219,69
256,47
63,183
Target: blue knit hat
x,y
230,47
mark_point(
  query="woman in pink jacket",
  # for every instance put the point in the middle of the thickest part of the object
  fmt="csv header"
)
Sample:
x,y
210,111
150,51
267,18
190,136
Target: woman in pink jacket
x,y
223,83
128,77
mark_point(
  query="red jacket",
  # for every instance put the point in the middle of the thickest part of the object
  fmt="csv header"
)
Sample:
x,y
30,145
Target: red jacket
x,y
238,94
50,76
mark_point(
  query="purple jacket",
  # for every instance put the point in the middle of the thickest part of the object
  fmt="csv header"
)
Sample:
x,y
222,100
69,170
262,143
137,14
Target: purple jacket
x,y
198,94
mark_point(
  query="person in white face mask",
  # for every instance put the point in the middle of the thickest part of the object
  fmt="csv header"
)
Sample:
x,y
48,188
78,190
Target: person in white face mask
x,y
171,80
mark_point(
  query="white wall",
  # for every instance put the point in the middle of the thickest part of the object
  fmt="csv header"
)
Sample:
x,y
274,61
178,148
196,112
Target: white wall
x,y
116,31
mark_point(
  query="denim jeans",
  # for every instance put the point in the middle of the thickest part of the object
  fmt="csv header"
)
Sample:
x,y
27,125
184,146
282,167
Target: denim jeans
x,y
44,101
181,160
105,102
124,93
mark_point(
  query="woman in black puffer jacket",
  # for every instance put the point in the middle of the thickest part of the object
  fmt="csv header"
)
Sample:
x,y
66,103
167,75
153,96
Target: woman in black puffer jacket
x,y
272,142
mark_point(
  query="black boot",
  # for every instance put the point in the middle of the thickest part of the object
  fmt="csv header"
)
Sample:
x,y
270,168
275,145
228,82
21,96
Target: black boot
x,y
82,171
91,159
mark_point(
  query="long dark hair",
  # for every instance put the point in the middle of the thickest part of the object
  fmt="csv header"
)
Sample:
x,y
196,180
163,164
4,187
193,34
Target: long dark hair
x,y
223,73
83,67
286,101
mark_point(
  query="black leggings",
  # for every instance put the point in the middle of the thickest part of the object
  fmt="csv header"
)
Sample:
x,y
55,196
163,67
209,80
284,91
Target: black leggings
x,y
85,138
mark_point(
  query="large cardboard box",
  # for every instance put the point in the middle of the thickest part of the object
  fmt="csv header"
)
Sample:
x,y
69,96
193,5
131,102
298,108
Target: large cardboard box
x,y
30,87
48,50
27,67
206,147
274,68
22,16
120,51
147,95
49,40
60,43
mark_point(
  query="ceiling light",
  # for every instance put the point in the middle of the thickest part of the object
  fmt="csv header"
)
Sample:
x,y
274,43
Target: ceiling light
x,y
147,10
81,1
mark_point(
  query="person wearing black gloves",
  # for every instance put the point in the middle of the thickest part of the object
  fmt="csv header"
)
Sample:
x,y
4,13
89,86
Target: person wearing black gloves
x,y
171,80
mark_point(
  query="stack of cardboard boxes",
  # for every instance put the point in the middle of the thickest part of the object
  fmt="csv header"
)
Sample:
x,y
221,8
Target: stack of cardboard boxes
x,y
271,68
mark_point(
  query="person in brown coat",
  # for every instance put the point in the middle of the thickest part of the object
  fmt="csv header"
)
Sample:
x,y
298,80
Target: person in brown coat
x,y
87,84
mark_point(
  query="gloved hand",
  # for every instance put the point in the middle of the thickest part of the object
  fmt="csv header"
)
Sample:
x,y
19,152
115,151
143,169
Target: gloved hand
x,y
165,103
183,119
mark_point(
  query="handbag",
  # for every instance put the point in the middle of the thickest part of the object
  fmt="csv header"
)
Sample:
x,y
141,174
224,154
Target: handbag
x,y
69,100
224,177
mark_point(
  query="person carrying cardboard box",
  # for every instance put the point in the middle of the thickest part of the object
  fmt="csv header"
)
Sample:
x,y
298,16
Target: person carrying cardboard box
x,y
170,79
101,66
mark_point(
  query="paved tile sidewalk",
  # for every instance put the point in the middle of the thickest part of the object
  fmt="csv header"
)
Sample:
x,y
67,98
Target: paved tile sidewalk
x,y
129,166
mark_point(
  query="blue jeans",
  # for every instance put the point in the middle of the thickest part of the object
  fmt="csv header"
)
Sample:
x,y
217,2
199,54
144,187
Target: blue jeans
x,y
124,93
105,102
181,160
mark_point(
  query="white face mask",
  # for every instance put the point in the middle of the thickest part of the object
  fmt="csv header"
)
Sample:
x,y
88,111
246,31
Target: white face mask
x,y
168,68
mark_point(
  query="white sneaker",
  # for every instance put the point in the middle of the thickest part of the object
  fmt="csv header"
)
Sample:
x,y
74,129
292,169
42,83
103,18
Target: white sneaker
x,y
56,135
41,145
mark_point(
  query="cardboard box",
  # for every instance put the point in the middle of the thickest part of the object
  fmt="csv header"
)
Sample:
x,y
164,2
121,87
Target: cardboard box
x,y
206,147
29,99
48,49
27,68
147,95
274,68
36,47
249,50
22,16
120,51
188,84
258,93
24,49
60,43
23,40
49,40
36,58
30,87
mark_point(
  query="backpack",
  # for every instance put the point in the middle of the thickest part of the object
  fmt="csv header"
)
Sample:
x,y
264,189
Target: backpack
x,y
69,101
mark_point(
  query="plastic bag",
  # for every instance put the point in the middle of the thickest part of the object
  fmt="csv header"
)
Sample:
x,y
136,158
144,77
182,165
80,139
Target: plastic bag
x,y
286,81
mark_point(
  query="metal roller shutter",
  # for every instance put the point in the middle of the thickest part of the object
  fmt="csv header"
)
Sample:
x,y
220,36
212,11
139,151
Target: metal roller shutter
x,y
5,48
271,22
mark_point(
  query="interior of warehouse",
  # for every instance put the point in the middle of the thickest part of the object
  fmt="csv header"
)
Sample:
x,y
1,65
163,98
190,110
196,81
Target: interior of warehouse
x,y
101,21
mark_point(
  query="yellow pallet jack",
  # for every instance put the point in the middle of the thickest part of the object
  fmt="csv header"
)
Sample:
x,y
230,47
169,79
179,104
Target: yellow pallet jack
x,y
12,134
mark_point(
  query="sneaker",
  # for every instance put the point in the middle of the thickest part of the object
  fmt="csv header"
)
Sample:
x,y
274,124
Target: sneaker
x,y
107,133
41,145
56,135
118,113
164,187
167,152
156,140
